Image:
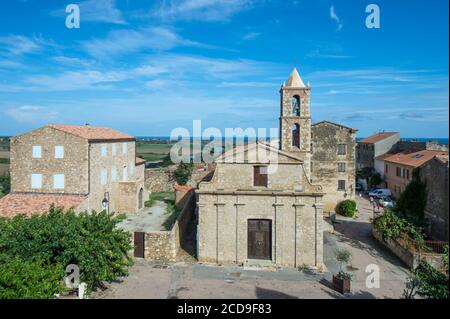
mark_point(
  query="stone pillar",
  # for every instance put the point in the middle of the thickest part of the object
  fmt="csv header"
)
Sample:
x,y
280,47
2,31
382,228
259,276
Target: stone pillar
x,y
298,237
277,234
318,235
219,231
237,207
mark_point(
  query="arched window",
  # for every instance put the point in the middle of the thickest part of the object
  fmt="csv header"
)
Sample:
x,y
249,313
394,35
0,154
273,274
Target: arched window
x,y
295,105
295,135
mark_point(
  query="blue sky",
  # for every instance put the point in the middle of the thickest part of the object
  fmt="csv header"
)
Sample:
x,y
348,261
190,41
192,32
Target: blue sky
x,y
147,67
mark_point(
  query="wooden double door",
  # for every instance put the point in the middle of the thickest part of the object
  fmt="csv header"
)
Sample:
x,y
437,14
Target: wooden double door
x,y
259,239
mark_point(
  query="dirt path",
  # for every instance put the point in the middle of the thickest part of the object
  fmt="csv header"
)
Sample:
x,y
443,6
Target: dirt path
x,y
148,219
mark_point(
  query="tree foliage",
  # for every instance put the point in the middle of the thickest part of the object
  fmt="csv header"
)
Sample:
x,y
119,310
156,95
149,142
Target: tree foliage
x,y
426,282
347,208
375,179
26,279
56,239
413,199
183,173
5,184
391,226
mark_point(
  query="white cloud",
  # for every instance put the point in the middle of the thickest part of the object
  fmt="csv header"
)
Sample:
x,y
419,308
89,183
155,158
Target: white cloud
x,y
32,114
203,10
96,11
250,36
74,80
335,17
18,45
128,41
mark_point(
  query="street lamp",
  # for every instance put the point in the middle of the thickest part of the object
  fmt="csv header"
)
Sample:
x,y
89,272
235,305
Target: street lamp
x,y
105,202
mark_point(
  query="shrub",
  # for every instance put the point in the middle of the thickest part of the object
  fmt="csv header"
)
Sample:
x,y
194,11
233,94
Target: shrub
x,y
183,173
89,240
347,208
25,279
391,226
5,183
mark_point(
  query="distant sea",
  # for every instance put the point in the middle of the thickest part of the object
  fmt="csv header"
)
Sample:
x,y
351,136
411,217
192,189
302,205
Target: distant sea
x,y
440,140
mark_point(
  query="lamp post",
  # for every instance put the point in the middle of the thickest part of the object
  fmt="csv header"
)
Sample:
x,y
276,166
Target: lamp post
x,y
105,202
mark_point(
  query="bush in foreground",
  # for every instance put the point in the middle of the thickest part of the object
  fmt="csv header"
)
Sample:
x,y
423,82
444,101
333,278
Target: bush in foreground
x,y
347,208
56,239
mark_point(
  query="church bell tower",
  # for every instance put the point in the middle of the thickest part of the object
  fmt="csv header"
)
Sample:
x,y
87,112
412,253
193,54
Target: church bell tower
x,y
295,119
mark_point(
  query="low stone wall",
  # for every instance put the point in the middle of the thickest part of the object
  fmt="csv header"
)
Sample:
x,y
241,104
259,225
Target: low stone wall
x,y
411,259
160,179
163,246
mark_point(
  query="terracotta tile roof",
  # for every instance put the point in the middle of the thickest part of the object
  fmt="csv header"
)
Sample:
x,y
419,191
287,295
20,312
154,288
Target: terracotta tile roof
x,y
139,161
377,137
15,203
414,159
183,187
91,132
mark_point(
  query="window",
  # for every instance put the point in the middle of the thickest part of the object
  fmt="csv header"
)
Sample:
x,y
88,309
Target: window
x,y
124,173
386,169
113,149
342,149
104,176
260,176
58,181
37,151
295,105
295,135
341,185
124,148
407,174
113,174
397,172
104,150
59,151
341,167
36,180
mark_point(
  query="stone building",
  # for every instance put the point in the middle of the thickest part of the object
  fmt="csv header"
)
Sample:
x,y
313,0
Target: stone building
x,y
269,209
435,174
373,146
74,166
333,162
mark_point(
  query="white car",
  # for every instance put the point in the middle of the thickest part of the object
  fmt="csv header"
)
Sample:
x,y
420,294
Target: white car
x,y
382,192
387,202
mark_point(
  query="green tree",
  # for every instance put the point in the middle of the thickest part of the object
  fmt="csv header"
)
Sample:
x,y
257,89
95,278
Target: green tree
x,y
426,282
183,173
413,199
25,279
89,240
5,184
375,179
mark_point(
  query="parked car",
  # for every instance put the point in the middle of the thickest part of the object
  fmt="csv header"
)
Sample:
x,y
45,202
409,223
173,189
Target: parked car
x,y
382,192
359,187
387,202
370,190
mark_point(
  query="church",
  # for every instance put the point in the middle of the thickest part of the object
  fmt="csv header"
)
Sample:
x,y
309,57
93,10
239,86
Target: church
x,y
250,213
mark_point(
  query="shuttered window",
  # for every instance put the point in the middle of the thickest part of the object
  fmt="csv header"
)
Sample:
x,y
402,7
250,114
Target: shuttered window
x,y
260,176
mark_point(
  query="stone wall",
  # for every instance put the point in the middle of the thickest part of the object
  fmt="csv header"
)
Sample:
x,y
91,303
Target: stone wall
x,y
411,259
160,179
435,173
326,137
74,165
163,246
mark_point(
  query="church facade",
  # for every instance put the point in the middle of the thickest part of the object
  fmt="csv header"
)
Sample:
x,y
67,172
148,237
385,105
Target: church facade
x,y
269,209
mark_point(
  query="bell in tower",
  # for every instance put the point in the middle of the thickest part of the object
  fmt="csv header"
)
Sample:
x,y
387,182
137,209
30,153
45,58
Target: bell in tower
x,y
295,119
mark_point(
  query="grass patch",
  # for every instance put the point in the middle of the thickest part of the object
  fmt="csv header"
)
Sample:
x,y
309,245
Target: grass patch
x,y
4,161
153,146
151,157
167,197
